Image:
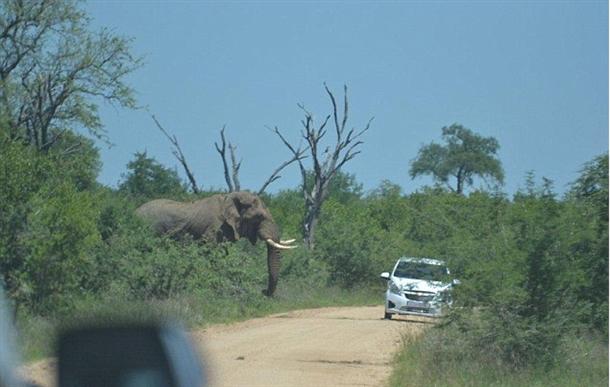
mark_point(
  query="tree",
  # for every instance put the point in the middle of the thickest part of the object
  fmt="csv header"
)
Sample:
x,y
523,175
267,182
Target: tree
x,y
79,158
536,219
464,155
54,71
326,161
48,218
592,185
233,178
177,152
343,188
147,178
589,194
61,235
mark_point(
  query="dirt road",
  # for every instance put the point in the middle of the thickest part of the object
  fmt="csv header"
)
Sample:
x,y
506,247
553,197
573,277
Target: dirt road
x,y
349,346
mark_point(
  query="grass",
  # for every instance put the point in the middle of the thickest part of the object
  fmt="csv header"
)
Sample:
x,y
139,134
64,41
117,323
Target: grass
x,y
585,364
195,311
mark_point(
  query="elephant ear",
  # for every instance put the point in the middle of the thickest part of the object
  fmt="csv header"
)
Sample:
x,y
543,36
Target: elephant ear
x,y
232,219
248,207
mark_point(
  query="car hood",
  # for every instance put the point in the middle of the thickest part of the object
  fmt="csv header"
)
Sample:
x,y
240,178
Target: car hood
x,y
418,285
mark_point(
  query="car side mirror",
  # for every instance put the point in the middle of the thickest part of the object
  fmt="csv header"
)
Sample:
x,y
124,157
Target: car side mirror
x,y
130,355
456,282
385,275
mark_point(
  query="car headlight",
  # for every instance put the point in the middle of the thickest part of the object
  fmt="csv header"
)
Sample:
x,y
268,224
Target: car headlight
x,y
395,288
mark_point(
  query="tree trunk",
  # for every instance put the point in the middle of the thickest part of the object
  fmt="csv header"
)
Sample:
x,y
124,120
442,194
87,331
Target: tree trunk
x,y
323,170
314,204
310,224
460,182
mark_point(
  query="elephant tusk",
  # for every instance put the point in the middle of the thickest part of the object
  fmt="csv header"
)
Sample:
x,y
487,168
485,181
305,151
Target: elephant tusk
x,y
287,242
278,245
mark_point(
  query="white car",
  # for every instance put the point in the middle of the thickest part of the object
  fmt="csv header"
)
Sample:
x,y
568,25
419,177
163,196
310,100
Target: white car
x,y
418,286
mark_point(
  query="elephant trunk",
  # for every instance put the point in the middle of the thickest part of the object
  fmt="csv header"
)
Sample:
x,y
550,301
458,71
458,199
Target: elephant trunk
x,y
273,268
268,231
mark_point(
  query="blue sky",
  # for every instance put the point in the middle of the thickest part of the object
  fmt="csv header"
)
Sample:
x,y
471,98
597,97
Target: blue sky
x,y
532,74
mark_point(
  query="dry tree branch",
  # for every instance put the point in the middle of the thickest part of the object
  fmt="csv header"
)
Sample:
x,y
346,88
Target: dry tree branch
x,y
177,152
235,167
222,152
298,155
232,178
326,161
350,146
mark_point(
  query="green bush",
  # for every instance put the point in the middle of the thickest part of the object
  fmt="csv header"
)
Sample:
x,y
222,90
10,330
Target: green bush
x,y
532,278
47,222
61,235
147,179
150,267
345,241
302,264
532,267
500,335
442,357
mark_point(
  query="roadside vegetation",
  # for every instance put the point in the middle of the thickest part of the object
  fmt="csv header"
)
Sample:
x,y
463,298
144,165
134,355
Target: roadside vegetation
x,y
436,360
532,307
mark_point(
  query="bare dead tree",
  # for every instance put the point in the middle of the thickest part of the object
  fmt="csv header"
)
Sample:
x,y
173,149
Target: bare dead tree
x,y
297,155
235,167
232,178
177,152
326,163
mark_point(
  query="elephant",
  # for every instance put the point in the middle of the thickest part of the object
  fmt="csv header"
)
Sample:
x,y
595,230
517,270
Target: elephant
x,y
220,218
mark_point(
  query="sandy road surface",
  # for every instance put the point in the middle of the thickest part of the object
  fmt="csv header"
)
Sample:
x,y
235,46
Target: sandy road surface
x,y
348,346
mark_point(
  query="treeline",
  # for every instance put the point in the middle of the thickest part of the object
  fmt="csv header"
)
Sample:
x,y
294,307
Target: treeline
x,y
533,265
64,236
533,305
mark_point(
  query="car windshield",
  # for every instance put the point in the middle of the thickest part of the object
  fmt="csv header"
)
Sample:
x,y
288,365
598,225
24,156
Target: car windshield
x,y
421,270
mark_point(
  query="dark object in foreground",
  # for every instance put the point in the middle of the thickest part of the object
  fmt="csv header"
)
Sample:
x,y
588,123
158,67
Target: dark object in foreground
x,y
131,355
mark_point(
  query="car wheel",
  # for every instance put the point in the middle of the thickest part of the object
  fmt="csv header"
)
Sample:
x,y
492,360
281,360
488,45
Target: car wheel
x,y
387,316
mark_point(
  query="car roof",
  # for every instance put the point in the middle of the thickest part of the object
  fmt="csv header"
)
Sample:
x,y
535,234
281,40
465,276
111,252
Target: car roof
x,y
429,261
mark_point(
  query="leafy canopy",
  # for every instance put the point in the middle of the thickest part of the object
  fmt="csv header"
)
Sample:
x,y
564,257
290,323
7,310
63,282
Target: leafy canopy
x,y
48,220
464,155
147,178
54,70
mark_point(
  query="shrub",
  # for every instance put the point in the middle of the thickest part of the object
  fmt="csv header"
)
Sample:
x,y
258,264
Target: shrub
x,y
147,266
